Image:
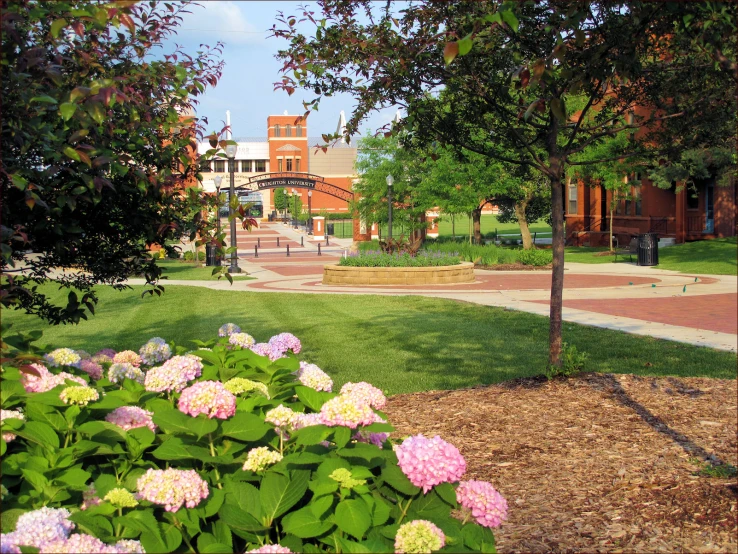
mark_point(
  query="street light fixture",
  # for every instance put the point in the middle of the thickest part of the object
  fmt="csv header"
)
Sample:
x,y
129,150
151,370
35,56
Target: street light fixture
x,y
231,150
218,180
390,180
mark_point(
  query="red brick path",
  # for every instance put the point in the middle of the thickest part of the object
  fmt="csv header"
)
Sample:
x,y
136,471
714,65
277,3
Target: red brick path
x,y
713,312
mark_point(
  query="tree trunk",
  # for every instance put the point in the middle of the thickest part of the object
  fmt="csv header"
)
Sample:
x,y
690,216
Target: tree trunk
x,y
453,226
520,208
611,214
557,273
477,218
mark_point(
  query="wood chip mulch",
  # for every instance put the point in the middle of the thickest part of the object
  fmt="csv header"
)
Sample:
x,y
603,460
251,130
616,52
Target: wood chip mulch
x,y
596,463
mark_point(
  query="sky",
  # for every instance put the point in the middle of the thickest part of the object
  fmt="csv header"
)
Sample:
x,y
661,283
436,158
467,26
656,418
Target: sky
x,y
247,84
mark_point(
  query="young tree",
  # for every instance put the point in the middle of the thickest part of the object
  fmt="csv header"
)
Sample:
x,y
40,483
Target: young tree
x,y
97,143
527,203
280,200
508,70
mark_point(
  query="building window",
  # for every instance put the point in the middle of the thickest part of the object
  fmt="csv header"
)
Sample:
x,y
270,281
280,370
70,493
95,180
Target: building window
x,y
298,131
289,164
573,196
288,130
279,164
637,200
297,164
246,166
260,166
219,166
277,131
205,166
693,198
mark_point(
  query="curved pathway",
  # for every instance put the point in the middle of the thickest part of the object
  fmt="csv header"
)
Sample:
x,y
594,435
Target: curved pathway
x,y
695,309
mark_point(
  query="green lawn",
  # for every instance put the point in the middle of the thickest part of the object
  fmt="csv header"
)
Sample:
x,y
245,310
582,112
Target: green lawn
x,y
189,271
489,224
716,257
401,344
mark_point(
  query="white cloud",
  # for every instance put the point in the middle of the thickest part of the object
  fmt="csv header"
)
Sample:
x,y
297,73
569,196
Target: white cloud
x,y
220,21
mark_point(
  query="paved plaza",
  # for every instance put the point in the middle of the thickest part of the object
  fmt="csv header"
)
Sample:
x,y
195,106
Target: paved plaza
x,y
695,309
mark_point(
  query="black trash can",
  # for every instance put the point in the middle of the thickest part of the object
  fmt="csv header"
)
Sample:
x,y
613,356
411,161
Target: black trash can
x,y
648,249
211,255
330,228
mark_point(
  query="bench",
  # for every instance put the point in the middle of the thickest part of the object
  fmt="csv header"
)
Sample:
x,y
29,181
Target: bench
x,y
632,249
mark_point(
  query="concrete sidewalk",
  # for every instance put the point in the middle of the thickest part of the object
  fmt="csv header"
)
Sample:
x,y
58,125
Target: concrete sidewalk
x,y
689,308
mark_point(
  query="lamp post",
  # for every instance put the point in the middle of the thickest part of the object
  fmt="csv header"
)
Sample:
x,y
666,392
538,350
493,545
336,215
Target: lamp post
x,y
218,180
231,154
390,180
310,212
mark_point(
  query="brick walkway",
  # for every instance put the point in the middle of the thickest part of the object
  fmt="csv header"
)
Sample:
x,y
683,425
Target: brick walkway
x,y
713,312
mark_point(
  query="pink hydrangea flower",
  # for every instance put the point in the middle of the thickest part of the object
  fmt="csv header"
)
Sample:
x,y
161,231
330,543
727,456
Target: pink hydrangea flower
x,y
154,351
172,488
347,412
488,506
10,414
271,548
104,356
301,420
93,369
365,392
281,416
128,546
284,342
312,376
46,380
377,439
130,417
208,397
90,498
40,526
63,356
78,543
264,349
419,536
228,329
128,357
120,371
244,340
174,374
430,462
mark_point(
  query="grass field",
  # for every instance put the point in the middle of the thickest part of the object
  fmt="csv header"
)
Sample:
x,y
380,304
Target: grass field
x,y
189,271
716,257
401,344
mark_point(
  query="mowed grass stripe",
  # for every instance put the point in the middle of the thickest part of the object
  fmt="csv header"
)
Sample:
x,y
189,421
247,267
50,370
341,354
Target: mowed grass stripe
x,y
401,344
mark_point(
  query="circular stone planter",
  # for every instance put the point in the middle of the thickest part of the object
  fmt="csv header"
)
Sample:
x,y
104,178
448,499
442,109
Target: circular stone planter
x,y
441,275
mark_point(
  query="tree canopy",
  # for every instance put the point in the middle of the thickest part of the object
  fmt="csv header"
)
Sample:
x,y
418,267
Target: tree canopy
x,y
508,72
98,141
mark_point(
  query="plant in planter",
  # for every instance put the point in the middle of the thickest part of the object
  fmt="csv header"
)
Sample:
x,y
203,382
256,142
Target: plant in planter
x,y
235,446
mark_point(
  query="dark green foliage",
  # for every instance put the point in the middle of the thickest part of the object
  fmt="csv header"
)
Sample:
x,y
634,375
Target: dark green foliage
x,y
94,152
535,257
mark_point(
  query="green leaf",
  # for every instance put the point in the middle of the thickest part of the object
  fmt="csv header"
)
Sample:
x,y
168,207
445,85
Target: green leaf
x,y
509,17
57,26
319,506
104,484
45,414
177,423
40,433
352,546
71,153
175,449
312,398
311,435
8,518
245,496
559,109
236,518
478,538
278,493
447,492
303,524
352,517
245,427
212,504
465,45
92,428
217,547
96,111
67,110
341,436
450,51
44,99
95,525
74,476
396,479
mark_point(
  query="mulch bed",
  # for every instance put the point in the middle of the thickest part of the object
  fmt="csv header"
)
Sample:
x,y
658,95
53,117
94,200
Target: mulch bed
x,y
597,463
514,267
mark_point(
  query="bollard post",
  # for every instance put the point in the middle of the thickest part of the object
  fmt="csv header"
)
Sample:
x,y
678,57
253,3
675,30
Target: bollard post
x,y
258,241
534,237
288,250
277,242
256,252
302,243
319,249
326,240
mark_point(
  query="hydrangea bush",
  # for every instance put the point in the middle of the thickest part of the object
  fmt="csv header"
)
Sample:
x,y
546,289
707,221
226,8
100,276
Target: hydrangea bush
x,y
236,446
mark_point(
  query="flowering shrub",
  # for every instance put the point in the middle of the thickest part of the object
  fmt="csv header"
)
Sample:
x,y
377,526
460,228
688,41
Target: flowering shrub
x,y
381,259
222,450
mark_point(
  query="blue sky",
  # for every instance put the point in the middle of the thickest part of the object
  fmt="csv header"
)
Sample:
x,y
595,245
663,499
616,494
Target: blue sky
x,y
247,85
